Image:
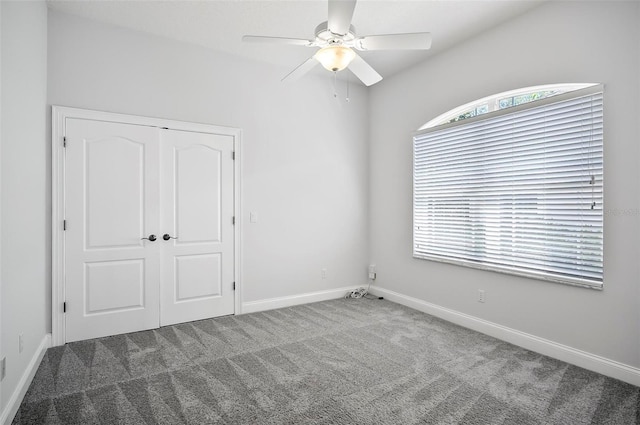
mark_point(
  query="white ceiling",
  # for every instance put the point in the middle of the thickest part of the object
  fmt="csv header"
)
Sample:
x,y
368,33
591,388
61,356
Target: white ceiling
x,y
220,25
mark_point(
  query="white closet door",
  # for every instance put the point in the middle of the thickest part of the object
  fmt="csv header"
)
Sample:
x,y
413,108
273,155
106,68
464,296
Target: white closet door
x,y
112,198
197,210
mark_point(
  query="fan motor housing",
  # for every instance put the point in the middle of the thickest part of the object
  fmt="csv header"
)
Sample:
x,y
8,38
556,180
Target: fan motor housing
x,y
326,37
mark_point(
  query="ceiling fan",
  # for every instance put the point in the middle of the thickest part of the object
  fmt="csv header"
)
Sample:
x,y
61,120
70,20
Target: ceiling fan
x,y
336,39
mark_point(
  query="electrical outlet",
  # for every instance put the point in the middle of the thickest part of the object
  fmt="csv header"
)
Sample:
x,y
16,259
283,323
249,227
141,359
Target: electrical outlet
x,y
372,271
323,273
481,295
3,368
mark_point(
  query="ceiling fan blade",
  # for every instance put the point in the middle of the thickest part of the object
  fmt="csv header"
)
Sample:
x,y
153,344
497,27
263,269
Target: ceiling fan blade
x,y
364,71
413,41
301,70
276,40
340,15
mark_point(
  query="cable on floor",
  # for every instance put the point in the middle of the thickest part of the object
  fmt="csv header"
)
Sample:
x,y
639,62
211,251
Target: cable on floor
x,y
363,293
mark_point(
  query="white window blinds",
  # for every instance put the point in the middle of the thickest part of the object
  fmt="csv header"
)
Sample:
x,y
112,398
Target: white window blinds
x,y
518,190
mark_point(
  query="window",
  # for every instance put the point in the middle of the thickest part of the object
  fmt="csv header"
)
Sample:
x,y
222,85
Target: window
x,y
502,101
517,189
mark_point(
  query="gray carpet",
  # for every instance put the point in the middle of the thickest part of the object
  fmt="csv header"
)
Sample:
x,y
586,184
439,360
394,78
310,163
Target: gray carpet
x,y
334,362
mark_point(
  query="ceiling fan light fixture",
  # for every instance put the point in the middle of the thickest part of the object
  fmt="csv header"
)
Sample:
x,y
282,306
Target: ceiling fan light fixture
x,y
335,58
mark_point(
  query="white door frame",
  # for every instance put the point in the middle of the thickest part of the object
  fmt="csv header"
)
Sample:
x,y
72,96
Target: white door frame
x,y
59,115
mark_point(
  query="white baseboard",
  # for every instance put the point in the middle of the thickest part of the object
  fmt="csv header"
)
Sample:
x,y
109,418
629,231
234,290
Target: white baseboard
x,y
549,348
13,404
309,297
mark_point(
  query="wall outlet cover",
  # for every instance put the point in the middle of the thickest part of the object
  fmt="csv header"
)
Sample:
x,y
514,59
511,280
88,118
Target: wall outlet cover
x,y
481,295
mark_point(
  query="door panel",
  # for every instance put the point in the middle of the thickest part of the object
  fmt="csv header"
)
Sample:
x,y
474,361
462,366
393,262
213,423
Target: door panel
x,y
106,293
112,198
121,194
197,208
197,183
198,277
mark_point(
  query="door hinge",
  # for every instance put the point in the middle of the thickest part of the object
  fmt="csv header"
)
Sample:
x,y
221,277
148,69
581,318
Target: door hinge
x,y
233,220
234,286
64,307
64,142
233,155
64,225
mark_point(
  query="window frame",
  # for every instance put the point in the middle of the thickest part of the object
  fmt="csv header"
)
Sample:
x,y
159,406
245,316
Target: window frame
x,y
440,123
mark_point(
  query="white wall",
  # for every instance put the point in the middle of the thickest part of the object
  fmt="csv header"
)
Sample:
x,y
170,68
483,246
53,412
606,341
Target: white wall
x,y
305,153
554,43
1,280
24,185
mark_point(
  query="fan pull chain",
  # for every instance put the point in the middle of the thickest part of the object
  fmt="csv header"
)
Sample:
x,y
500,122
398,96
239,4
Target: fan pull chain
x,y
347,99
335,80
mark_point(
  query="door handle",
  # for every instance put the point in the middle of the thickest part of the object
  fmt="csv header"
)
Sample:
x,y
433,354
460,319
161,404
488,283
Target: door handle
x,y
166,237
151,238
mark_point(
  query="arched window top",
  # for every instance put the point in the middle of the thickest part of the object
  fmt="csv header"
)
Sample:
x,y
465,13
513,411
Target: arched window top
x,y
502,101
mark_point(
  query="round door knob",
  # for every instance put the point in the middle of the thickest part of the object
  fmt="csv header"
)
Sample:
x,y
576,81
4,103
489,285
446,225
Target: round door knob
x,y
150,238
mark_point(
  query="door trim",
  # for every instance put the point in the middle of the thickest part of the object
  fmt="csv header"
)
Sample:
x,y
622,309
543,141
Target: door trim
x,y
59,115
